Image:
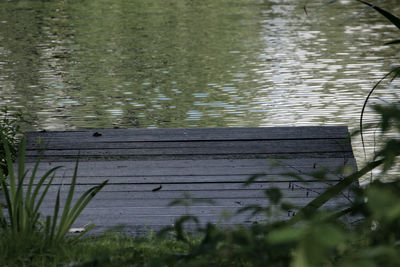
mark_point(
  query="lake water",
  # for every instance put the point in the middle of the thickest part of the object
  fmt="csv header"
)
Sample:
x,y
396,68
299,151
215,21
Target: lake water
x,y
194,63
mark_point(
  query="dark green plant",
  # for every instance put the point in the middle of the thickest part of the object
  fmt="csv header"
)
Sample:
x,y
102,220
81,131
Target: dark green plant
x,y
23,201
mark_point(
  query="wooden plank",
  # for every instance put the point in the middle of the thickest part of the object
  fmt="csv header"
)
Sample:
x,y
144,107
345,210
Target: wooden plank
x,y
82,145
195,171
264,147
115,217
185,187
192,134
132,165
193,168
198,202
154,212
299,155
148,220
168,220
193,179
211,194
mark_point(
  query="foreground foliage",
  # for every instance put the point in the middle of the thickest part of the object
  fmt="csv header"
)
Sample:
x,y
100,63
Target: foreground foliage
x,y
22,226
108,249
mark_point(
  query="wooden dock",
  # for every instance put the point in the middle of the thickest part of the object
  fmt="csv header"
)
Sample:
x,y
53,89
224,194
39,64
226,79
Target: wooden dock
x,y
149,168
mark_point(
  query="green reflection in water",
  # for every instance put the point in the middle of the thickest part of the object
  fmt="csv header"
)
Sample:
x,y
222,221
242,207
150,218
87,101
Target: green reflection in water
x,y
132,63
198,63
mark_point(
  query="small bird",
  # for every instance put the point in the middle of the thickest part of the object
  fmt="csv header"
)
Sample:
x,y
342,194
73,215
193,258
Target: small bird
x,y
97,134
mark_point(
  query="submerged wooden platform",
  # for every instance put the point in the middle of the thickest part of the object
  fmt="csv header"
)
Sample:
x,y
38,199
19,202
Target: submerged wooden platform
x,y
148,169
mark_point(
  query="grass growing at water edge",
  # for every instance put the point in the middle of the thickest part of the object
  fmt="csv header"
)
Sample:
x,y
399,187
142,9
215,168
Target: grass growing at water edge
x,y
22,224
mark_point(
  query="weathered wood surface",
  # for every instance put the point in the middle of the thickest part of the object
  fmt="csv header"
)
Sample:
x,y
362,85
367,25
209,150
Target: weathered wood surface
x,y
148,169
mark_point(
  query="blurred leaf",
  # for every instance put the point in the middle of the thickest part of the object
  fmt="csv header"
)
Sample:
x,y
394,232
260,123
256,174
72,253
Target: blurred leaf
x,y
392,18
288,206
384,201
341,213
393,42
274,194
389,153
390,115
285,235
255,209
295,175
188,201
300,259
204,201
320,175
252,178
176,202
396,73
328,235
379,251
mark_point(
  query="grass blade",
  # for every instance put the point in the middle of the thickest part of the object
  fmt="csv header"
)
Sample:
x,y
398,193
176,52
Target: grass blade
x,y
19,202
365,105
44,193
81,203
68,202
55,216
332,191
39,185
85,199
3,221
47,227
21,160
88,228
31,180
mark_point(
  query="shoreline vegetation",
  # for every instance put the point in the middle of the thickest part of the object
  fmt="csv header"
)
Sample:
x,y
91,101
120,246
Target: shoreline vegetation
x,y
315,236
